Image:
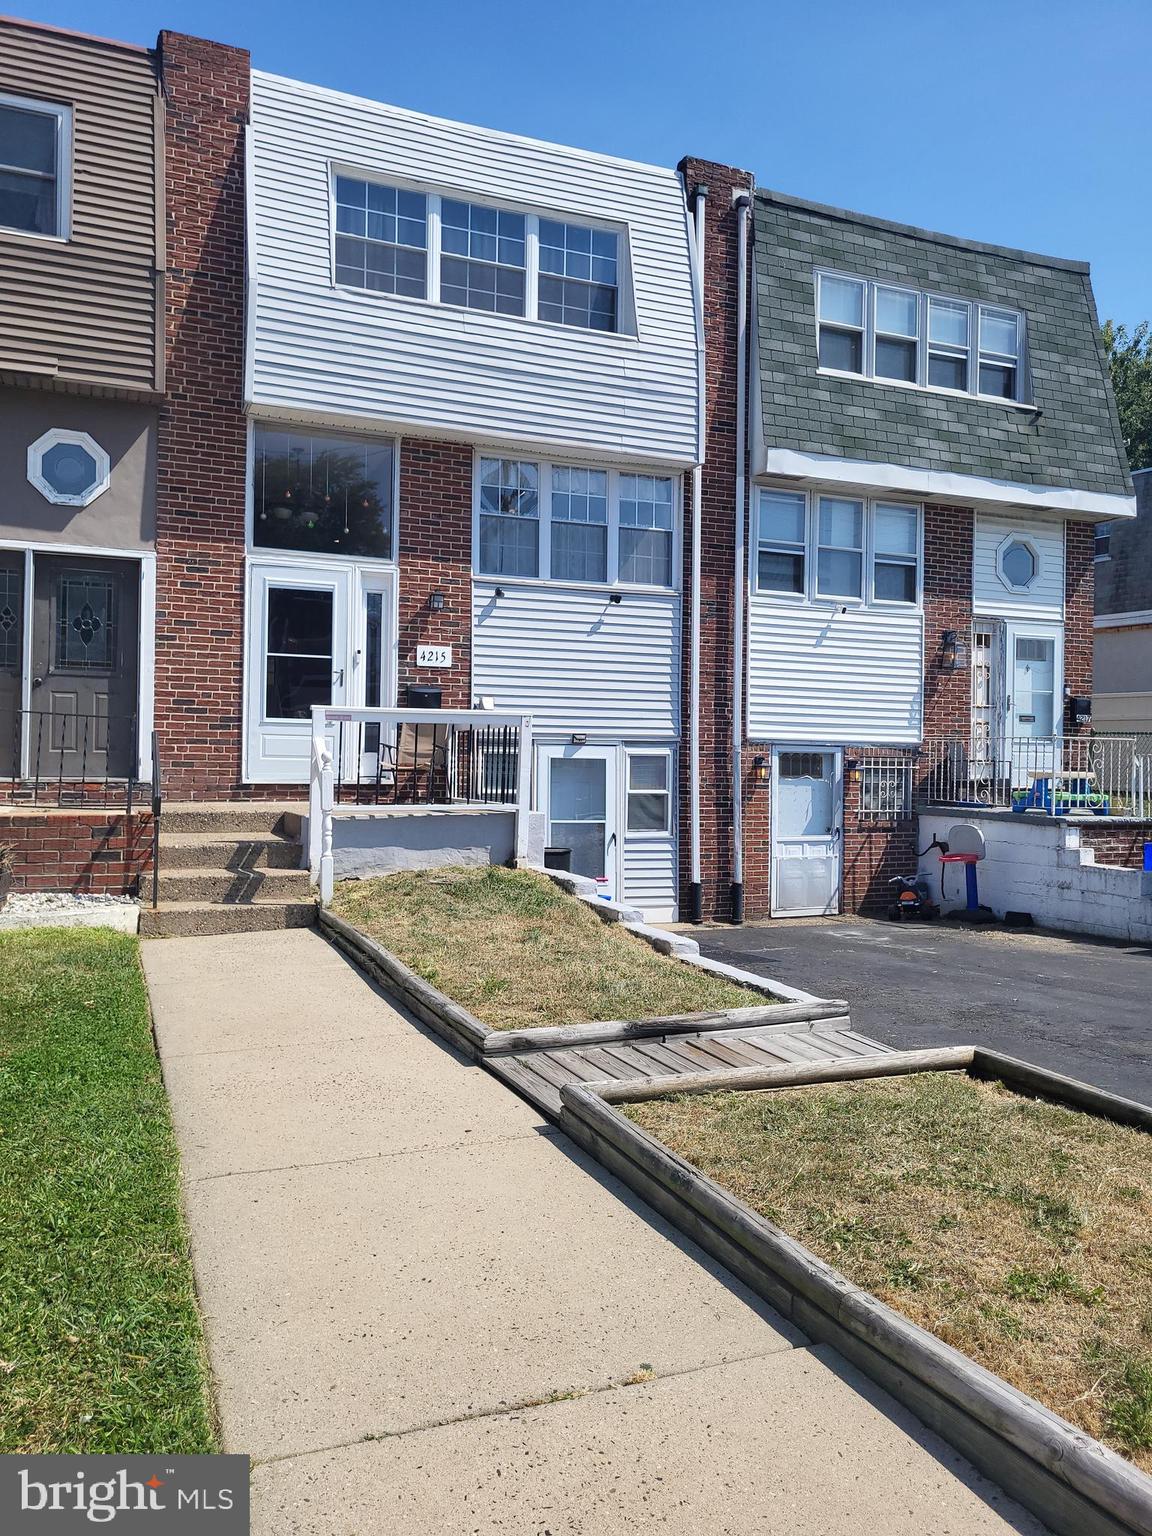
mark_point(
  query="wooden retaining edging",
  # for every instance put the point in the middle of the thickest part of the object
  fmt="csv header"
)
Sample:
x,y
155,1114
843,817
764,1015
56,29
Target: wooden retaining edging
x,y
464,1030
1076,1485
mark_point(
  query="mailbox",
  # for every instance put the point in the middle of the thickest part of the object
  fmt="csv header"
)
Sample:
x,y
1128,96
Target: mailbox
x,y
424,696
1079,710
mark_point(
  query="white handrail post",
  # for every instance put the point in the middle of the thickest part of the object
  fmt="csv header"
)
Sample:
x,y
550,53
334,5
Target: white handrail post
x,y
327,786
523,788
314,812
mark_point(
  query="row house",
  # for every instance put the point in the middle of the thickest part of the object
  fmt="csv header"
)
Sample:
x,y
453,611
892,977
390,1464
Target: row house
x,y
749,504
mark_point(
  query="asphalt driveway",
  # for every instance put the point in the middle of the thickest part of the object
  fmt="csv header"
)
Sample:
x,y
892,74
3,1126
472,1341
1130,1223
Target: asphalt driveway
x,y
1074,1005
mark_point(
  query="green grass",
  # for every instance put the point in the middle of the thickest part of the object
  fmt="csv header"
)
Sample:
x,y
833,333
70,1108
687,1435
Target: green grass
x,y
100,1341
519,953
1015,1229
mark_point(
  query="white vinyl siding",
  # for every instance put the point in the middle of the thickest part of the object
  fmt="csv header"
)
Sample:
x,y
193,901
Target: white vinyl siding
x,y
409,364
576,662
837,678
650,876
1044,598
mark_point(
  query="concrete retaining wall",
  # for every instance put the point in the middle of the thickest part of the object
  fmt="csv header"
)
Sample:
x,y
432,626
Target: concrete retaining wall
x,y
1042,865
381,840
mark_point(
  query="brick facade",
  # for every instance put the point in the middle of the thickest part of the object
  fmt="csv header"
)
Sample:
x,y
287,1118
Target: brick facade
x,y
1079,609
1121,846
82,852
435,555
202,453
718,497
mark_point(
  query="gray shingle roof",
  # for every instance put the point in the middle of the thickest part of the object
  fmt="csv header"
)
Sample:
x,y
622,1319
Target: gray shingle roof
x,y
1073,441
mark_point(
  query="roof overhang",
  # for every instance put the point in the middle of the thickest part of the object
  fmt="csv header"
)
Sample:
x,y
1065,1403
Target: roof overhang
x,y
939,485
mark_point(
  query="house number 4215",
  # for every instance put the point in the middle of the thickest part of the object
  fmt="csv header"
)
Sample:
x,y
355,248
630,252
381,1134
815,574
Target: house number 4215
x,y
433,655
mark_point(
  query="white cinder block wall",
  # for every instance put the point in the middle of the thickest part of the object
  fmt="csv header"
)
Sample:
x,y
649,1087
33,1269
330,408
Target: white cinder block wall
x,y
1038,866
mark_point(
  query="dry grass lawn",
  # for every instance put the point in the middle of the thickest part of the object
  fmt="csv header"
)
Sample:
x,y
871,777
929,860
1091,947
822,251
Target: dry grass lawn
x,y
519,953
1015,1229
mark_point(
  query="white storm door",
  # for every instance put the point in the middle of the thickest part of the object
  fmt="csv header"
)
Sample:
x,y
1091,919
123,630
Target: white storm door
x,y
578,793
1033,689
300,657
806,838
373,673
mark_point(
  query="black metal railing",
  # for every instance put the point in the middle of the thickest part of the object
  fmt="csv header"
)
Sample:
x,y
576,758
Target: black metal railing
x,y
424,763
60,759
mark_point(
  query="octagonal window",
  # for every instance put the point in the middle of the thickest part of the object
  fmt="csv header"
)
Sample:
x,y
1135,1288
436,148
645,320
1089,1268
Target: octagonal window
x,y
1018,564
69,468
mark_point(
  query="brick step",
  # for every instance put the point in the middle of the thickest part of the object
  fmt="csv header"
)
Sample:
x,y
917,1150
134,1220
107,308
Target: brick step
x,y
227,850
226,816
192,919
233,885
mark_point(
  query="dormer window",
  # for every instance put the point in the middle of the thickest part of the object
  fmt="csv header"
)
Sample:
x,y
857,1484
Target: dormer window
x,y
33,166
897,335
424,245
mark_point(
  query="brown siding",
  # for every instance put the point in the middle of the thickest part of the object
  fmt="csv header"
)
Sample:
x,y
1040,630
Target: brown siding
x,y
82,313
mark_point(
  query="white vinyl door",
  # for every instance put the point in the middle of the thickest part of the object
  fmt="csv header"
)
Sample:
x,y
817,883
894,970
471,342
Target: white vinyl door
x,y
578,793
301,656
1033,688
806,838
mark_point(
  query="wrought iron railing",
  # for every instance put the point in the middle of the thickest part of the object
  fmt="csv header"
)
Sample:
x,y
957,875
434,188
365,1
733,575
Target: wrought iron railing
x,y
1062,775
397,759
60,759
157,807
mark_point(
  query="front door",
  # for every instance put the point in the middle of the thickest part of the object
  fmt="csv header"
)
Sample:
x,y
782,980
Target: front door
x,y
85,650
578,790
11,660
1032,689
806,818
301,657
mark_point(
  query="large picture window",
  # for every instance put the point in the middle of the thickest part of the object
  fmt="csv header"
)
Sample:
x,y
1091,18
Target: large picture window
x,y
33,166
565,523
837,549
447,250
876,330
323,495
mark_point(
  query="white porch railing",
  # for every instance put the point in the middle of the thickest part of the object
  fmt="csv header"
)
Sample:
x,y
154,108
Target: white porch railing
x,y
1063,775
417,758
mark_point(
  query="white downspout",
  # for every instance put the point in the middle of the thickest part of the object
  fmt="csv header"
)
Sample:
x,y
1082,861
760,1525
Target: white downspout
x,y
696,889
743,203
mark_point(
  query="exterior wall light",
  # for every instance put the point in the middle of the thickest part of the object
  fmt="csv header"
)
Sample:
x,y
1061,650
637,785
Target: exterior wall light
x,y
759,768
852,769
578,738
436,602
614,597
948,650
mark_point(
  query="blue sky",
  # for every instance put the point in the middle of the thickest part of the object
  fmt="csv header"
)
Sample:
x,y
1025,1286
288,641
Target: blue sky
x,y
1023,122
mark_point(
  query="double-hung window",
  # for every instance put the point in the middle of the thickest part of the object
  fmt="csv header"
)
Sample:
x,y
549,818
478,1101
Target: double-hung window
x,y
781,552
33,166
841,332
562,522
447,250
649,809
837,548
840,548
875,330
509,517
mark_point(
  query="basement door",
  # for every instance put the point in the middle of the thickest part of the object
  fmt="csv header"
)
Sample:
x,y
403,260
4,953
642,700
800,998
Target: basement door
x,y
578,792
806,812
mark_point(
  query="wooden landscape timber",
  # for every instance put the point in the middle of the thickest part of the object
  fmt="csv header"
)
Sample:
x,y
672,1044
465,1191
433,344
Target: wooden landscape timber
x,y
455,1023
1072,1482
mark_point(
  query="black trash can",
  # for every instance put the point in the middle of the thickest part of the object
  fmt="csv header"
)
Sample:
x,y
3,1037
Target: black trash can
x,y
558,858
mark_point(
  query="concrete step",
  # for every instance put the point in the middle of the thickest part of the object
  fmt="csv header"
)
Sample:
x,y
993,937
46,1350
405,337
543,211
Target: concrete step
x,y
228,816
190,919
227,850
233,885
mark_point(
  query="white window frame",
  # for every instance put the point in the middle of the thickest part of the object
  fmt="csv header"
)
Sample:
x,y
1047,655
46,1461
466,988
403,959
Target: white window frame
x,y
626,323
544,515
53,439
650,834
972,352
1009,542
63,116
811,596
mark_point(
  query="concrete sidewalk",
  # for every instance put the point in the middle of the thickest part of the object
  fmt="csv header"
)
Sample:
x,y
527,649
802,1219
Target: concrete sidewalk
x,y
427,1312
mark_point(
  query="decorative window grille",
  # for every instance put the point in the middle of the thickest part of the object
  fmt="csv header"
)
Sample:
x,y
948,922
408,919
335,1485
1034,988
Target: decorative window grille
x,y
886,789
